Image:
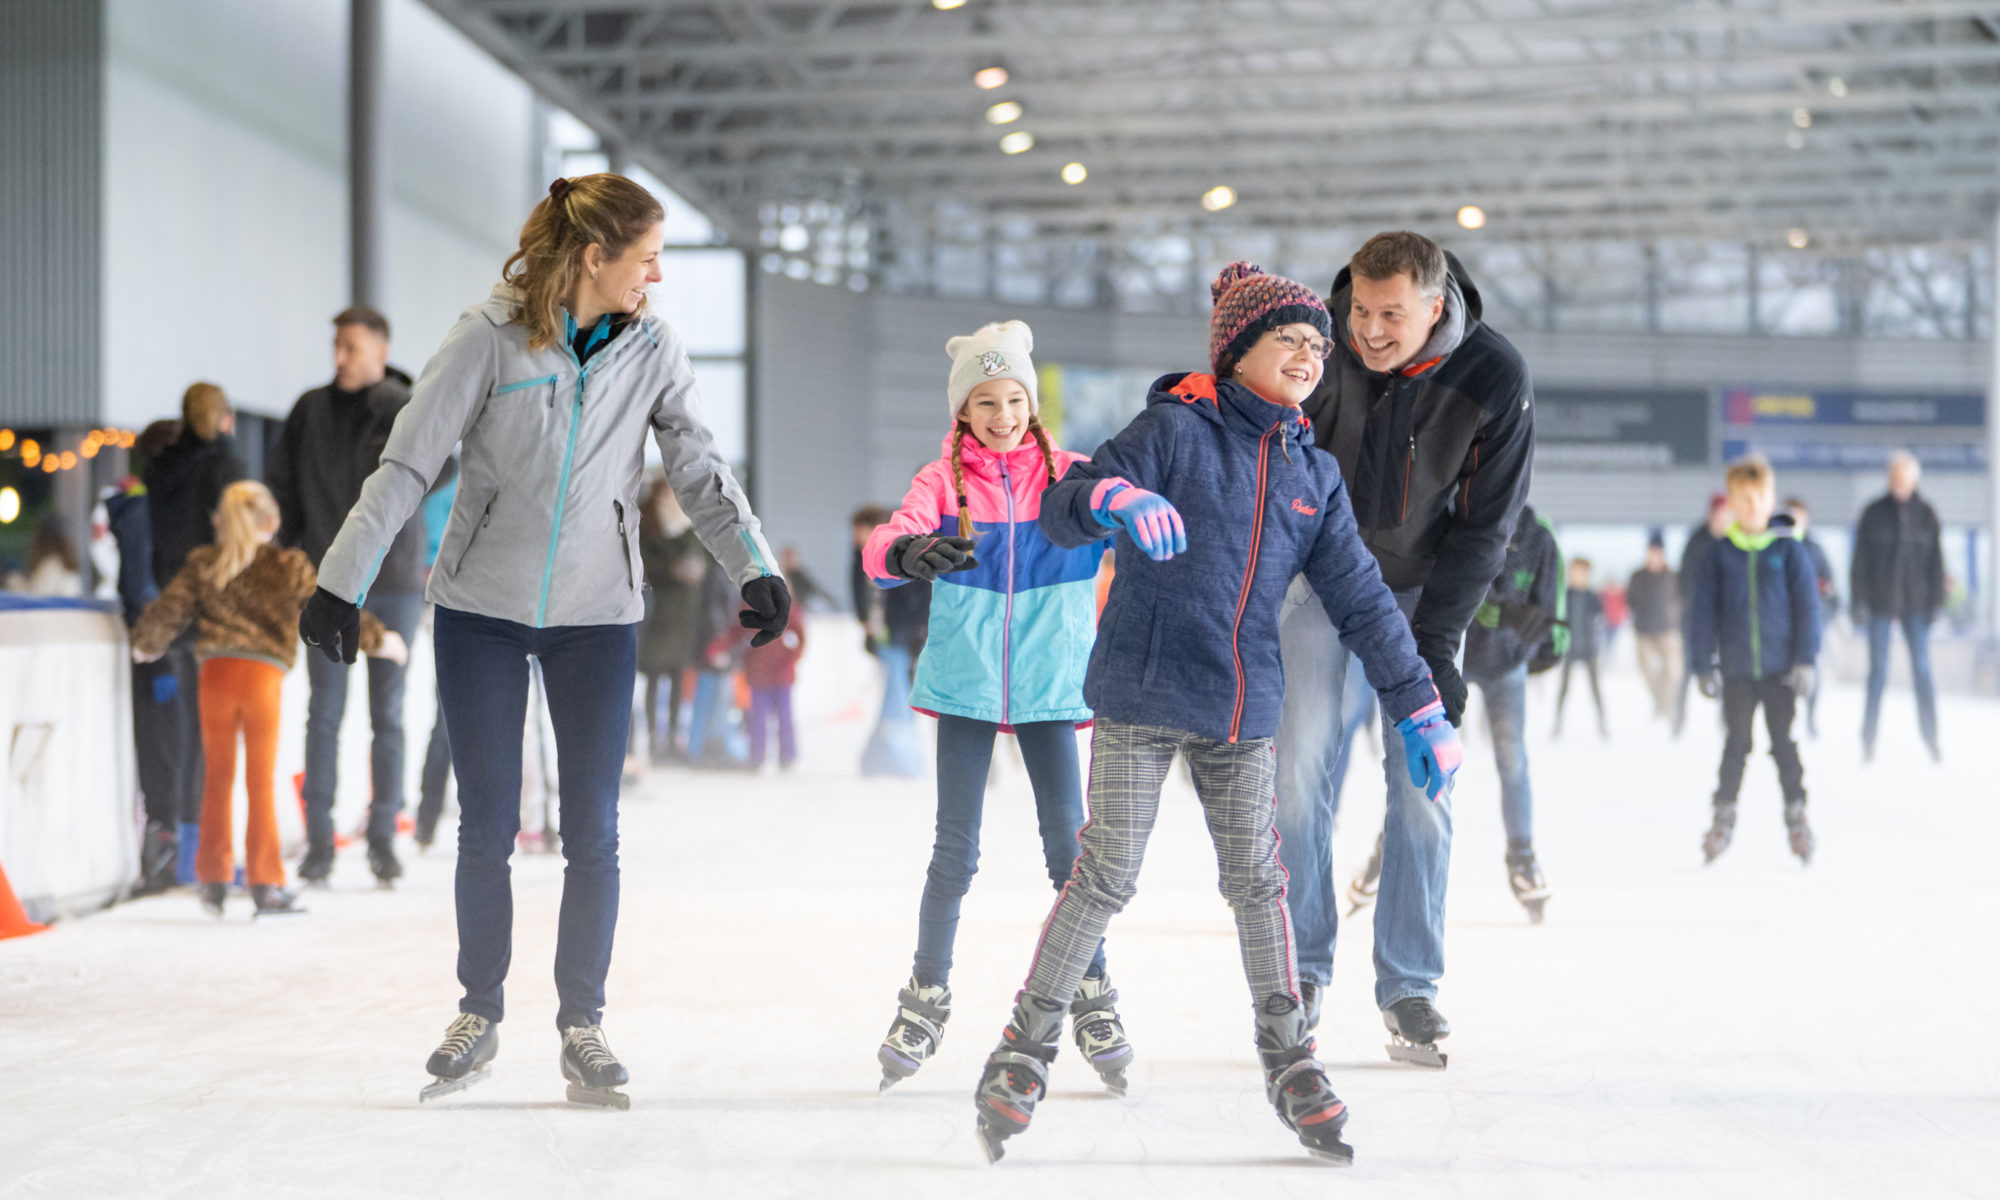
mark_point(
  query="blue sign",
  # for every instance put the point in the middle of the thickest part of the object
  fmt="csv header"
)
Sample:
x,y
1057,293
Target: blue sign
x,y
1771,406
1824,454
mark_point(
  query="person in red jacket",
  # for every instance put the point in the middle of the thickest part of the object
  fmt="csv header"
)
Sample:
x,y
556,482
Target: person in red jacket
x,y
771,670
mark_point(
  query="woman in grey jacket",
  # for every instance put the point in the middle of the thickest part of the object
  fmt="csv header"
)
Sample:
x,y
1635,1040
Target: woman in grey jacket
x,y
551,387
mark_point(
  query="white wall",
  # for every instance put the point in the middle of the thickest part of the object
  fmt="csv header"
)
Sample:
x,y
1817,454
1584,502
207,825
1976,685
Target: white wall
x,y
225,227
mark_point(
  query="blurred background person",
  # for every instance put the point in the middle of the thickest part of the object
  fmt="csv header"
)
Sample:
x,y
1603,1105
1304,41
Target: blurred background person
x,y
1699,539
1896,579
669,645
1653,597
1586,633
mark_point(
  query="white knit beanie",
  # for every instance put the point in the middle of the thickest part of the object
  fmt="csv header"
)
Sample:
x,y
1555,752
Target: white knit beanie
x,y
995,352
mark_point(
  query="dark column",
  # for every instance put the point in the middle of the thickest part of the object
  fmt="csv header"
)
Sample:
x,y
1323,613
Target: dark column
x,y
367,153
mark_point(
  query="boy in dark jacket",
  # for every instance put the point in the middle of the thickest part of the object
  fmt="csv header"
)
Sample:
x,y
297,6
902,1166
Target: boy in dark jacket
x,y
1219,501
1518,630
1586,625
1753,635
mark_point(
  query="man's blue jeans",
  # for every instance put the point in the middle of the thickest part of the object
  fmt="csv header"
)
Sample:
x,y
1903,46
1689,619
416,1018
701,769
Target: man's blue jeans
x,y
1507,721
588,672
1416,847
1917,635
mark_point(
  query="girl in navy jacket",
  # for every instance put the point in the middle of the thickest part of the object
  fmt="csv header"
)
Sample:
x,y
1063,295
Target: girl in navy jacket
x,y
1218,497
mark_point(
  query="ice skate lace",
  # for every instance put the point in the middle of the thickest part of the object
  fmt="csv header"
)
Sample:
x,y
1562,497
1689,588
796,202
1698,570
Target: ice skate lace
x,y
463,1032
588,1042
1101,1030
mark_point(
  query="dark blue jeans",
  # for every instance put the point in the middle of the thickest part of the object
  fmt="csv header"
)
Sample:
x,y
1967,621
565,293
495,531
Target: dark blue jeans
x,y
1917,636
399,611
964,755
588,671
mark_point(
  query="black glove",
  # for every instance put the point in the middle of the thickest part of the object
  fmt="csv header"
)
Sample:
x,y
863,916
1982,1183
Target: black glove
x,y
1441,655
333,625
770,609
1709,684
926,556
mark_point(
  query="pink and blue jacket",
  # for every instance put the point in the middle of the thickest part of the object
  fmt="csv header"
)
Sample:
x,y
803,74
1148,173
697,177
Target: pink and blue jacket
x,y
1011,638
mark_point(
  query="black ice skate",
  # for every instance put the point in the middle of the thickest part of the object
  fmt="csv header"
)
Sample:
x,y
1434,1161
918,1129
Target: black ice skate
x,y
1361,892
212,897
274,901
382,861
1296,1084
594,1073
1414,1029
464,1058
914,1035
1017,1072
1524,875
316,866
1100,1035
1801,833
1719,834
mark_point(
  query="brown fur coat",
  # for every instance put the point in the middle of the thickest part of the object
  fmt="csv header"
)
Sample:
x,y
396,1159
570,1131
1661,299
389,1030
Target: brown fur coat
x,y
255,616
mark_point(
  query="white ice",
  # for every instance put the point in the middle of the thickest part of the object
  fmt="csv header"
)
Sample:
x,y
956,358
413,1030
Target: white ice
x,y
1753,1028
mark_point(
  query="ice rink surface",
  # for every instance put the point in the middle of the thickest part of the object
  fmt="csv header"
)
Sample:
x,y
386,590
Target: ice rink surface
x,y
1748,1029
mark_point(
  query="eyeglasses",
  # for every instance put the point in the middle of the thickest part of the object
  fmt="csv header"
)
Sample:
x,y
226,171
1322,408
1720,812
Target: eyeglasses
x,y
1292,342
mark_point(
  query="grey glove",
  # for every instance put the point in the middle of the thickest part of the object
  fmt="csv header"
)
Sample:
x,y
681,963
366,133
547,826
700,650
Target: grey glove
x,y
1710,683
926,555
1801,679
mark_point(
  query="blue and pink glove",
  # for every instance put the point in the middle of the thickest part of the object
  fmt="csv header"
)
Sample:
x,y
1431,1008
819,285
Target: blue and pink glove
x,y
1152,521
1431,747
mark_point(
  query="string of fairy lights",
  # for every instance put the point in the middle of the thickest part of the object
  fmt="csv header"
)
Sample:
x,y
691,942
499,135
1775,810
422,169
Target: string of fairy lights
x,y
51,461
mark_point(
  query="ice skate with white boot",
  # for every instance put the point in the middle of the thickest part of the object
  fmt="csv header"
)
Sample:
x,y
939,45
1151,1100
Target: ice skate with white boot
x,y
1361,890
1295,1083
274,901
594,1073
1017,1072
464,1058
1415,1026
1099,1032
1799,832
1720,833
1524,875
915,1034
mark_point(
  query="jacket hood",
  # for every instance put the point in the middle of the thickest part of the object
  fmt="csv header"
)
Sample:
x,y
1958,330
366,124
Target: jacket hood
x,y
1229,404
1463,309
978,460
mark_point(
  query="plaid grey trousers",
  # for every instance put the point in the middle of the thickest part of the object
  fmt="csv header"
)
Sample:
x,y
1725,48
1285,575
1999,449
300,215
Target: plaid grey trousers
x,y
1237,785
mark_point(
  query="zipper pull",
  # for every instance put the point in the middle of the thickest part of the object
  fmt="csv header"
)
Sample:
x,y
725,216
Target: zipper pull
x,y
618,506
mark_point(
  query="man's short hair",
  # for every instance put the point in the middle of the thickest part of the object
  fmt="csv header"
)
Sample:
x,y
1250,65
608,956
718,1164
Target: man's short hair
x,y
1752,470
204,408
364,316
870,515
1387,255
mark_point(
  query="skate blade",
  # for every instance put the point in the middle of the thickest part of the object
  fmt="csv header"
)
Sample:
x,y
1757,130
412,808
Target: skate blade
x,y
599,1097
1417,1055
991,1144
1339,1154
445,1087
1535,908
1115,1082
888,1081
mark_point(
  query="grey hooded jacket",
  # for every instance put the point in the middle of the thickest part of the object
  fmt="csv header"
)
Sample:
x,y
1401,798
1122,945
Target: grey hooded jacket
x,y
545,528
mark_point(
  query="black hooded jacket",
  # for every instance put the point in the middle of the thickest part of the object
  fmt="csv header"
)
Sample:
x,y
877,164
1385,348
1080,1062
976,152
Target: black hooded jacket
x,y
184,483
1436,455
332,442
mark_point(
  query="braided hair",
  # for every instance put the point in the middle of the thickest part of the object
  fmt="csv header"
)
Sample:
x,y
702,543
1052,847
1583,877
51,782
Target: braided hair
x,y
963,431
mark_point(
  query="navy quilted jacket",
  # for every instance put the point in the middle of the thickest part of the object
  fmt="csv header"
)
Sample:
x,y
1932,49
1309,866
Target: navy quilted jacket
x,y
1754,611
1192,643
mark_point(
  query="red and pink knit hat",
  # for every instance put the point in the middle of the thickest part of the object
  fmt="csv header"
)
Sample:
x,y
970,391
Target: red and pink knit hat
x,y
1248,301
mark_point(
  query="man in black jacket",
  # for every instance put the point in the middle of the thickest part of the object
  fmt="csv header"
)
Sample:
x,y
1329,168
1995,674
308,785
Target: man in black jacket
x,y
1897,578
332,442
1430,414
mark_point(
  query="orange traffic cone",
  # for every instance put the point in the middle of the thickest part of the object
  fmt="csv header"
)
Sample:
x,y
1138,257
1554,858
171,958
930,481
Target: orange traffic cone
x,y
14,920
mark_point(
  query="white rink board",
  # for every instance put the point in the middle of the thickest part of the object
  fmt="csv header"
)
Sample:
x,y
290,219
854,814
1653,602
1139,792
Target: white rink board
x,y
1752,1029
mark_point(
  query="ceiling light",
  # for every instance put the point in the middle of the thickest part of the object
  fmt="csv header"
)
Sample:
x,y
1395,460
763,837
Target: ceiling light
x,y
1003,113
1836,86
1219,197
1074,173
990,78
6,439
947,5
1472,217
1802,118
1018,142
1795,138
1797,238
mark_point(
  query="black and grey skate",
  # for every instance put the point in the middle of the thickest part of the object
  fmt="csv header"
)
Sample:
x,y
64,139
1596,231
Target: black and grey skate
x,y
1801,833
159,860
212,897
921,1013
1296,1084
464,1058
1415,1026
1311,996
1099,1032
383,862
316,866
594,1073
425,832
1719,834
1524,875
1017,1072
1361,891
274,901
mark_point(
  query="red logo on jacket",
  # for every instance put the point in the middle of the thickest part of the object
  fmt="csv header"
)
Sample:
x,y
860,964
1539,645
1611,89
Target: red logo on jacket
x,y
1300,506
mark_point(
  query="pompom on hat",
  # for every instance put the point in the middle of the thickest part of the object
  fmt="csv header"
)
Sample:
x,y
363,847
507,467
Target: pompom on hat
x,y
1249,300
999,351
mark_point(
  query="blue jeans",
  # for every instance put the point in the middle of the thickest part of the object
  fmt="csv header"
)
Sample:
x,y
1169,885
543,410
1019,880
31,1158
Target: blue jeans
x,y
964,755
588,672
1507,721
399,611
1916,635
1416,846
